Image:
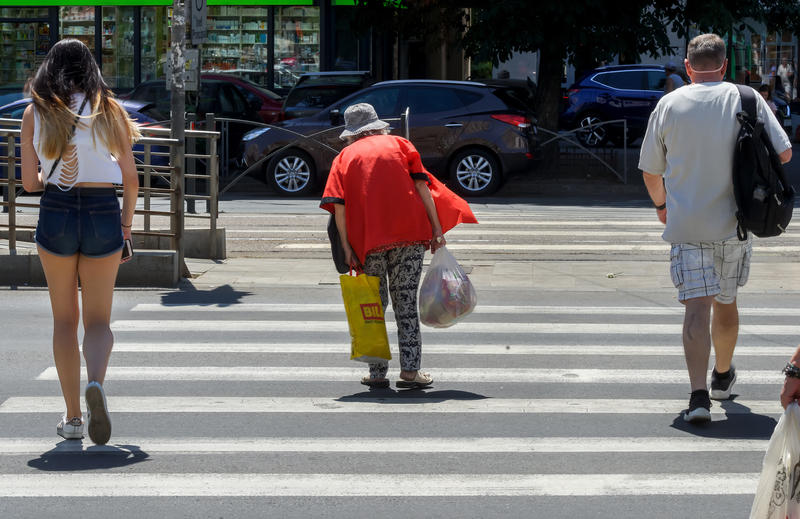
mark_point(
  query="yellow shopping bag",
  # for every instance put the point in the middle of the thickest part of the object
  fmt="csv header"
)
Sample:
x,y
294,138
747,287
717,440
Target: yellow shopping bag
x,y
362,301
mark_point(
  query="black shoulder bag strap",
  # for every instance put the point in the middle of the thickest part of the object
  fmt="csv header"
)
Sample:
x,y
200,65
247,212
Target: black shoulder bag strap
x,y
71,134
748,96
747,116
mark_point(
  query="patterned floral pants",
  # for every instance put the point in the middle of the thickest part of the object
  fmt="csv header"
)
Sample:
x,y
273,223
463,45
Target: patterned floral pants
x,y
403,268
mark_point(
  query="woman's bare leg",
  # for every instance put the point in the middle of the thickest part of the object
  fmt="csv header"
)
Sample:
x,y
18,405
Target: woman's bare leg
x,y
97,276
62,283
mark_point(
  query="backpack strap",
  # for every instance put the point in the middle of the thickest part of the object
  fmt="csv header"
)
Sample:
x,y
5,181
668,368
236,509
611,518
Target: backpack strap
x,y
747,116
748,96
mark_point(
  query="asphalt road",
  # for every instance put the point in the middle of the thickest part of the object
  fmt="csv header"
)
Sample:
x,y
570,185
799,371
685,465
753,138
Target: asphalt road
x,y
559,396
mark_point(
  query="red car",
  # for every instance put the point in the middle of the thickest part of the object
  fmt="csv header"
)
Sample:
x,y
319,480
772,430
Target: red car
x,y
261,103
268,104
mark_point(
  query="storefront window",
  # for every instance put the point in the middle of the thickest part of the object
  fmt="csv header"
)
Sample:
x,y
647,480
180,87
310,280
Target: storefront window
x,y
237,40
118,47
78,22
155,42
23,12
346,43
24,46
296,43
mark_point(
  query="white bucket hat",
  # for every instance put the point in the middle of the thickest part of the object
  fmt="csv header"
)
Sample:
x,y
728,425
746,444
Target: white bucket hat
x,y
359,118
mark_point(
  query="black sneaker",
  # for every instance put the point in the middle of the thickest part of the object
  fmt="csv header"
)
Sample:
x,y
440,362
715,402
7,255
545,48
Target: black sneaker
x,y
721,384
699,407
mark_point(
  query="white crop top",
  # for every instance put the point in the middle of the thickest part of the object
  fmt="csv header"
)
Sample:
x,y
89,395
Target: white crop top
x,y
84,160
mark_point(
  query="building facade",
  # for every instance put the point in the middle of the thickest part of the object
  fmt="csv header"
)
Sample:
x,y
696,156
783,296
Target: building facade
x,y
272,42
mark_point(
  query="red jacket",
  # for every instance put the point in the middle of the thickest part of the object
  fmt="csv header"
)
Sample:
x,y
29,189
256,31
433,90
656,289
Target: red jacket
x,y
374,179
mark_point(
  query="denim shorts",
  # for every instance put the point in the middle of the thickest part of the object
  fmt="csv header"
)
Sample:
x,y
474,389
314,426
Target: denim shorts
x,y
83,220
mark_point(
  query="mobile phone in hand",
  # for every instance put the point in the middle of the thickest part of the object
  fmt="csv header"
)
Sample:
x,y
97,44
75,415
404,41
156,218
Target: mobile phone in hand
x,y
127,249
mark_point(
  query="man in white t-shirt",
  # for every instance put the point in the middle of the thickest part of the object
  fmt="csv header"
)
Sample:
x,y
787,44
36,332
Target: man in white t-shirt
x,y
687,163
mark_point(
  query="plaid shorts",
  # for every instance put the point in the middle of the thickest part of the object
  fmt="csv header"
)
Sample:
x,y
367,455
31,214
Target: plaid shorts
x,y
710,268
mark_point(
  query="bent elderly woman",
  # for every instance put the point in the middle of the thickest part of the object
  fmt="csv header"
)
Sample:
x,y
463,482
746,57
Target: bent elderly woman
x,y
388,211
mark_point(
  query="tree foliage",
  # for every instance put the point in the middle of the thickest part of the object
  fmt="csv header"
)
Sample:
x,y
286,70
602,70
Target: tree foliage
x,y
582,32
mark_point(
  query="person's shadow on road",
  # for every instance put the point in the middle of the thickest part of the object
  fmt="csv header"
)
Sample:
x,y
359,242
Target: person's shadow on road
x,y
224,295
409,396
70,455
740,423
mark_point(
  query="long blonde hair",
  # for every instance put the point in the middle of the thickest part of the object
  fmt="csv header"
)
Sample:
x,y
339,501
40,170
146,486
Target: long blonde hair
x,y
70,68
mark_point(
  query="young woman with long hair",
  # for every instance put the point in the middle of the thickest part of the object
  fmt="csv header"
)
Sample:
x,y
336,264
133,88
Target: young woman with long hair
x,y
76,146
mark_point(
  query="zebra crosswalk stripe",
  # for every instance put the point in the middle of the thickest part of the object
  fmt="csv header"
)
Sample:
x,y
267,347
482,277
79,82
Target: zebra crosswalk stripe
x,y
264,325
498,348
114,484
477,405
443,374
461,445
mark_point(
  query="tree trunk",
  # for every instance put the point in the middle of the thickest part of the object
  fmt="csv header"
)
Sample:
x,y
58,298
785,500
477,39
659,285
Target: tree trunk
x,y
548,90
548,101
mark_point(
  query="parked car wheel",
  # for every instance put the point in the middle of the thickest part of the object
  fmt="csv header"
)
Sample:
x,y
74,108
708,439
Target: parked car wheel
x,y
589,134
475,172
291,173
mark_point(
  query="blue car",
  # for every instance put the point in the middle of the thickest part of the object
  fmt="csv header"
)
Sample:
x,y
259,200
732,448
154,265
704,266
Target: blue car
x,y
143,113
627,92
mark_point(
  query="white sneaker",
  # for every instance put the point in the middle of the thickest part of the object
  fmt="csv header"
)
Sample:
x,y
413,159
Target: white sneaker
x,y
97,414
70,429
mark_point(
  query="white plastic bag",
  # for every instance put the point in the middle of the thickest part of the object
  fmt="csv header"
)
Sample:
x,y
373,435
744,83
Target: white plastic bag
x,y
446,294
778,493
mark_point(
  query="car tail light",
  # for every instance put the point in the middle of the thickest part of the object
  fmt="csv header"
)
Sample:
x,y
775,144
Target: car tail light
x,y
519,121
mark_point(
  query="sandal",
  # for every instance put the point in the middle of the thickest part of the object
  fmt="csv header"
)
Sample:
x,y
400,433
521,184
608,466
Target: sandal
x,y
375,382
421,380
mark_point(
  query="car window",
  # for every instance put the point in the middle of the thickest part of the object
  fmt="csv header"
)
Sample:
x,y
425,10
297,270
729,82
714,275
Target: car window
x,y
427,100
467,97
656,80
624,80
252,99
264,92
384,100
150,91
317,97
516,98
231,100
208,101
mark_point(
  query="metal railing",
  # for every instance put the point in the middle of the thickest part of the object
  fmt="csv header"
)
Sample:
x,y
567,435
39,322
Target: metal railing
x,y
154,154
571,137
224,157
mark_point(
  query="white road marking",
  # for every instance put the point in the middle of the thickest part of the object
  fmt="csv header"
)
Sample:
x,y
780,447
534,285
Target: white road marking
x,y
114,484
388,404
644,329
10,446
552,247
349,374
480,309
500,348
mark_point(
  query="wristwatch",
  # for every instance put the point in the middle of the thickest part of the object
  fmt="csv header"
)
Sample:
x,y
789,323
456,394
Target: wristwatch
x,y
791,370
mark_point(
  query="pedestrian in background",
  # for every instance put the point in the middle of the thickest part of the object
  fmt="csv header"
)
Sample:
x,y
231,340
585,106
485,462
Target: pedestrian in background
x,y
689,144
786,73
674,80
382,201
76,146
766,93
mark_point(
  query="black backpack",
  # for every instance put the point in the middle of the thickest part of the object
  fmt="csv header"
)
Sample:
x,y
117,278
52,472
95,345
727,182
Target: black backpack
x,y
764,197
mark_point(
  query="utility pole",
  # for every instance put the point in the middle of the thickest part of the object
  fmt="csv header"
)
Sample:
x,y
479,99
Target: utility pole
x,y
178,124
